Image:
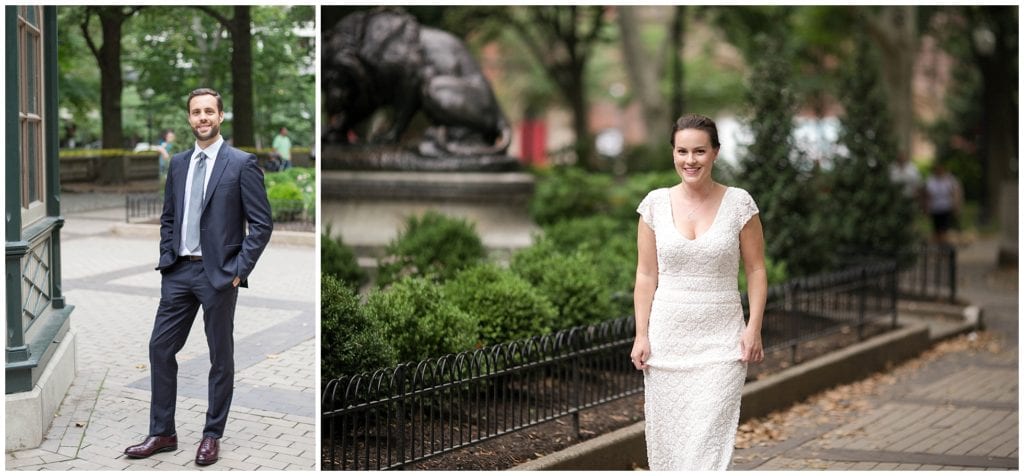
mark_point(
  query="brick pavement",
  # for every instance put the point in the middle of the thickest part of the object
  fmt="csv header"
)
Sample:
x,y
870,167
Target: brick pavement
x,y
953,409
111,282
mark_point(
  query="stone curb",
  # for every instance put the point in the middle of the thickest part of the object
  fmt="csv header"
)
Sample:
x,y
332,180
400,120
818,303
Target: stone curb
x,y
152,232
625,448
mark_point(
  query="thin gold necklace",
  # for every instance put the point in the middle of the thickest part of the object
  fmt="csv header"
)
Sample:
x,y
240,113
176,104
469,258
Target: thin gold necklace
x,y
689,216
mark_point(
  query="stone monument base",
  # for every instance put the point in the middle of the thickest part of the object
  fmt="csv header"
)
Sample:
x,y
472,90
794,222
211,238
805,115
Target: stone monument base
x,y
369,208
397,158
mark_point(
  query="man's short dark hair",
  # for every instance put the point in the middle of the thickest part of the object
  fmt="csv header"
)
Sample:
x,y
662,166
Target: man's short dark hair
x,y
203,92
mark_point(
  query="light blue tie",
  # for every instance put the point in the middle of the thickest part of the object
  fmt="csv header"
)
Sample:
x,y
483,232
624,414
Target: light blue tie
x,y
195,203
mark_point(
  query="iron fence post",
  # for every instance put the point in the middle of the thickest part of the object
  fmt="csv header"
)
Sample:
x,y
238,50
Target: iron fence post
x,y
923,258
894,293
952,274
400,376
863,302
575,362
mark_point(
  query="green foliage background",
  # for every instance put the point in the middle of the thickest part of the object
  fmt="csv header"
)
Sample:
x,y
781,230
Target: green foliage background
x,y
172,50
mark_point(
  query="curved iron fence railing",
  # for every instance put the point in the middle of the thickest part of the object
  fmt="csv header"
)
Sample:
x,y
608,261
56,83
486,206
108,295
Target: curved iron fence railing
x,y
402,415
398,416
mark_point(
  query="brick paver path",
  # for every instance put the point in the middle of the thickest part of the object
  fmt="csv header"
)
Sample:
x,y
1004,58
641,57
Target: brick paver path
x,y
956,410
111,282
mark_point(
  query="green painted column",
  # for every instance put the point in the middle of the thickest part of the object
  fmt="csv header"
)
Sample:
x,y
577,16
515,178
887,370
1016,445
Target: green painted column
x,y
50,75
17,351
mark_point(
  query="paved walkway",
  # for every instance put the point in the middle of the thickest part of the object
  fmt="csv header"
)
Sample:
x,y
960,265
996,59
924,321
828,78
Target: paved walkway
x,y
111,282
956,407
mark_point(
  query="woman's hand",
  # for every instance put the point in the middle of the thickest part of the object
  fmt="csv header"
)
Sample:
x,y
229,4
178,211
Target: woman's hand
x,y
641,352
750,345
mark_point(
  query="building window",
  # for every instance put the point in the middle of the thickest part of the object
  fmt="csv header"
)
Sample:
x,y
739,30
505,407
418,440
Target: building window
x,y
30,112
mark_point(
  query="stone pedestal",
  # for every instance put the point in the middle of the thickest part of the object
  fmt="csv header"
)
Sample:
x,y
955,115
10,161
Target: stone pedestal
x,y
368,208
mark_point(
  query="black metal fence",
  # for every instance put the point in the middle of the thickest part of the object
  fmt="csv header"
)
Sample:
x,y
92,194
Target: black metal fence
x,y
932,275
402,415
142,206
287,214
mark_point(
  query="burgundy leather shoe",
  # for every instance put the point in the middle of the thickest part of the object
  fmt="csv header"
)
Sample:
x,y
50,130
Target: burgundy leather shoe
x,y
151,445
208,450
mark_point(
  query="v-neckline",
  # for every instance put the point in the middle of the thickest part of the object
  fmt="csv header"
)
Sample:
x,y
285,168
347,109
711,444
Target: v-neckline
x,y
696,237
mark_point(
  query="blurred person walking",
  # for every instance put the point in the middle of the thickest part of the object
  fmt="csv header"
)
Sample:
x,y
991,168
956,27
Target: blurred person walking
x,y
943,199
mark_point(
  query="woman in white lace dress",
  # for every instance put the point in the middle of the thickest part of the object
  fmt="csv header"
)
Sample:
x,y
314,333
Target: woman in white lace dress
x,y
691,340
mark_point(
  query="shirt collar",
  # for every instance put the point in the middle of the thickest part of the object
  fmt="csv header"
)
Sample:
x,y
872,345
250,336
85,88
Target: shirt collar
x,y
211,151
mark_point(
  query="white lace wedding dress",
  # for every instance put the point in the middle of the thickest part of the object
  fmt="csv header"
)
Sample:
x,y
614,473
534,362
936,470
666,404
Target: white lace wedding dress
x,y
693,386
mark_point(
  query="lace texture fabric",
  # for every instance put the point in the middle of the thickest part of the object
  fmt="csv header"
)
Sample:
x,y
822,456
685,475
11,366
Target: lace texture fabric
x,y
695,376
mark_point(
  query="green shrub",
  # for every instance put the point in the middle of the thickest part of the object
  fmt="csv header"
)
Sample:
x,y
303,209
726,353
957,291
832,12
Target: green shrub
x,y
793,211
612,246
338,261
420,321
285,201
433,246
304,179
868,213
569,192
350,341
571,281
506,307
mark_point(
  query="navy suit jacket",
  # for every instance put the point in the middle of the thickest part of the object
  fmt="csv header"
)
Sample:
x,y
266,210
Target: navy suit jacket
x,y
235,195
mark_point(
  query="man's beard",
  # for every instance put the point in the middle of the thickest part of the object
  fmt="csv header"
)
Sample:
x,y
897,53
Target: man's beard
x,y
214,131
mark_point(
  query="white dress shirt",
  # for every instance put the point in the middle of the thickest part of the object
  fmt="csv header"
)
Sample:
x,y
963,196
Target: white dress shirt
x,y
211,157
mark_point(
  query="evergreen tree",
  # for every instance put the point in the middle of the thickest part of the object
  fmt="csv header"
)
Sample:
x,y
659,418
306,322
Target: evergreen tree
x,y
869,215
790,213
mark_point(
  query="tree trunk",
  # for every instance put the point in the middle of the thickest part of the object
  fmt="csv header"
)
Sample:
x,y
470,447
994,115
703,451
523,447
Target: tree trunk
x,y
642,71
678,45
241,77
999,114
894,30
111,85
576,93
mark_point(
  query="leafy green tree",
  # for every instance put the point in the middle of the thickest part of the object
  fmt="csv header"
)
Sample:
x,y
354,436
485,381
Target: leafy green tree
x,y
979,131
790,207
108,58
168,51
239,25
868,213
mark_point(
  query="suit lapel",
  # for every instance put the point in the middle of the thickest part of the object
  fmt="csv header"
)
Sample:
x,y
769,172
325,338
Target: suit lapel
x,y
218,169
180,177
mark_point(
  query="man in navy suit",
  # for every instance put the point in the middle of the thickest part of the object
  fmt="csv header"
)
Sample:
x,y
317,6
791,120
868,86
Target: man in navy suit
x,y
207,251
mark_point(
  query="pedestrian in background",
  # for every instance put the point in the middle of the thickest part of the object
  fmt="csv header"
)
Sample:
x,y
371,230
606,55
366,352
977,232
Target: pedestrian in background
x,y
283,147
164,148
943,198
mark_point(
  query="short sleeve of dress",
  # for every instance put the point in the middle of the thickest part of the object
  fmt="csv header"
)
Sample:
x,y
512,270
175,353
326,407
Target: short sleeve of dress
x,y
747,208
645,209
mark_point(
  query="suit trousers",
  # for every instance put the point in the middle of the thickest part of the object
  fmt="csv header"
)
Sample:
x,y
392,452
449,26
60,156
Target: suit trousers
x,y
183,289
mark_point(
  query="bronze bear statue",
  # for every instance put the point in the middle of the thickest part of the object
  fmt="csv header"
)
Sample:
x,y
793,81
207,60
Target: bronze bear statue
x,y
384,58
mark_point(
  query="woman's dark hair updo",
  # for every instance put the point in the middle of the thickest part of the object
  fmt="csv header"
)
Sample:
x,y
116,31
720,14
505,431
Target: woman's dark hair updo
x,y
695,121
